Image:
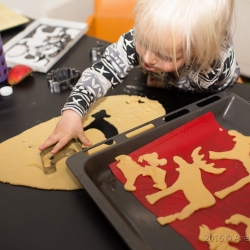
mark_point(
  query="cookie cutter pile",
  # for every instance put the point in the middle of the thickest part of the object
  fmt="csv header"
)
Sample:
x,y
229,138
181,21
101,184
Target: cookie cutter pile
x,y
97,51
62,79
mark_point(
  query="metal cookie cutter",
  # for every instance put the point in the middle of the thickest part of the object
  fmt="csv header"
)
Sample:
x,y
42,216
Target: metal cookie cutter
x,y
49,160
97,51
62,79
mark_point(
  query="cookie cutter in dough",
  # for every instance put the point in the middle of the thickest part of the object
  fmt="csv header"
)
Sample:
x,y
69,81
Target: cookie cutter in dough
x,y
49,160
62,79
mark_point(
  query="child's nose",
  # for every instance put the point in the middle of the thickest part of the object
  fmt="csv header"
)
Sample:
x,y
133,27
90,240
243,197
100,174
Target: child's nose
x,y
149,58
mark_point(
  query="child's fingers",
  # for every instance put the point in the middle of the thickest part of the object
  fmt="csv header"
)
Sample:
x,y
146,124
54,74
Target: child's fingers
x,y
49,142
60,144
84,139
57,140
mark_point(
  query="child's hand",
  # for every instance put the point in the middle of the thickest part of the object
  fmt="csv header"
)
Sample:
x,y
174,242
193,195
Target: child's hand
x,y
69,126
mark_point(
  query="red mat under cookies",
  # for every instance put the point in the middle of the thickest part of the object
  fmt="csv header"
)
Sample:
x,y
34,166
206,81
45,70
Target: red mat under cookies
x,y
205,132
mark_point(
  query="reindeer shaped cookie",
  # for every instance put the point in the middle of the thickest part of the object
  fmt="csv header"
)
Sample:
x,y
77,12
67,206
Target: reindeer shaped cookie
x,y
240,152
132,170
190,182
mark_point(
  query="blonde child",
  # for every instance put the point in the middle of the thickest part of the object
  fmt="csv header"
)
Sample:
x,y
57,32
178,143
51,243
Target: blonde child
x,y
179,43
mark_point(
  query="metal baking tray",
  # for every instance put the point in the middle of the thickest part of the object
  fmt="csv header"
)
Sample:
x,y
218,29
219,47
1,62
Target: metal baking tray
x,y
135,223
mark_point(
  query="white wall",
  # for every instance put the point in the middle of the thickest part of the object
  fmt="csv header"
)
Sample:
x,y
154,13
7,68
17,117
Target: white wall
x,y
75,10
242,36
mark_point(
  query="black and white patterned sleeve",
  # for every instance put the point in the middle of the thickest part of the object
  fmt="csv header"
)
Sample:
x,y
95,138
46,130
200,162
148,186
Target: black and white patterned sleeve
x,y
215,79
118,59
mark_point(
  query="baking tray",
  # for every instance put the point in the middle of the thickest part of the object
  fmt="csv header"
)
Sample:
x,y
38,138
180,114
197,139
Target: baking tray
x,y
135,223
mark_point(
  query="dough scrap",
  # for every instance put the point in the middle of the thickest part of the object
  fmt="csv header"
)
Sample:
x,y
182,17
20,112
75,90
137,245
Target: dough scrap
x,y
20,162
132,170
190,182
240,152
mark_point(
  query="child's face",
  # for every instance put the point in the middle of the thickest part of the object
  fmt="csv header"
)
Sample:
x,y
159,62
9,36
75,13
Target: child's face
x,y
156,62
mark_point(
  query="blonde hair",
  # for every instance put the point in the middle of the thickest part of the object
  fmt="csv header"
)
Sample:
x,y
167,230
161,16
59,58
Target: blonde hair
x,y
203,26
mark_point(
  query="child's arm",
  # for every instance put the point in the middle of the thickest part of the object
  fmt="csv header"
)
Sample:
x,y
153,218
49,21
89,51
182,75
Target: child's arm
x,y
118,59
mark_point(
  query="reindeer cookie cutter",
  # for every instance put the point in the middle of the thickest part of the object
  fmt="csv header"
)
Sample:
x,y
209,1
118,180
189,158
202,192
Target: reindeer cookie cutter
x,y
49,160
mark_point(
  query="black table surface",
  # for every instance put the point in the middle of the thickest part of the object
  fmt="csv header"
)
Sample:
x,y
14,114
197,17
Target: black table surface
x,y
40,219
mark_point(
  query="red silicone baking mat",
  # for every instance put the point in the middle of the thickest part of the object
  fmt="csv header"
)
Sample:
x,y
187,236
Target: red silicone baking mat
x,y
207,133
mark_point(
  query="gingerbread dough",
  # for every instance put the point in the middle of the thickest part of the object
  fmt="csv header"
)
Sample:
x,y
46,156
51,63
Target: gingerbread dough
x,y
219,238
239,218
190,182
125,111
132,170
240,152
20,161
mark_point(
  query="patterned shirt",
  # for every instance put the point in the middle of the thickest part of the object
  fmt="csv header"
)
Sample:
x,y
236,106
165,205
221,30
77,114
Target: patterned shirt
x,y
119,58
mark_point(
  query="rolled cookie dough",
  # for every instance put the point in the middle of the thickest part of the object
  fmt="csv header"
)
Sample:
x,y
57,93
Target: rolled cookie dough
x,y
20,162
125,111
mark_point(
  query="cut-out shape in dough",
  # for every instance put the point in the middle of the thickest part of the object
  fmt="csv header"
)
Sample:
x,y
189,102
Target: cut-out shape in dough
x,y
240,152
219,238
132,170
99,123
190,182
125,112
239,218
